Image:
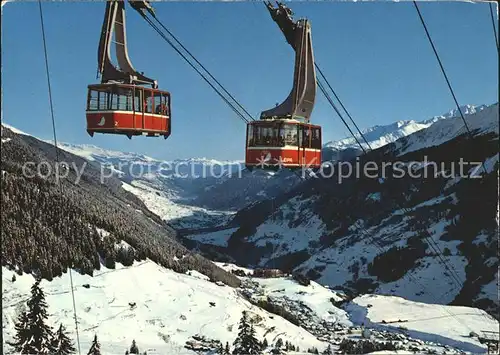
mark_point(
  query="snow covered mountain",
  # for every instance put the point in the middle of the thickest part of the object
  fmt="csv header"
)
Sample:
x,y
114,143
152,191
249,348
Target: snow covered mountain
x,y
378,136
359,237
426,238
200,192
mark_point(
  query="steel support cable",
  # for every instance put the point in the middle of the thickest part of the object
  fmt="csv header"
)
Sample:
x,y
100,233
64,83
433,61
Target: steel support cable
x,y
454,274
412,278
494,27
202,66
436,249
241,116
433,246
57,158
444,73
320,85
341,104
415,280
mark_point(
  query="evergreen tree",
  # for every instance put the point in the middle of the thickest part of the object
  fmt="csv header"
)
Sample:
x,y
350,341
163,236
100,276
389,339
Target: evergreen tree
x,y
264,344
61,343
328,350
279,343
13,277
95,349
33,335
133,348
246,342
227,350
254,345
22,334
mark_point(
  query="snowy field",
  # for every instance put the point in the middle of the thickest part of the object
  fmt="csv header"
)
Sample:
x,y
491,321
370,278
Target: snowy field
x,y
170,308
449,325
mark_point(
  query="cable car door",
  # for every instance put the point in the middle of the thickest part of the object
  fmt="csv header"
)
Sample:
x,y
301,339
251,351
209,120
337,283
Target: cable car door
x,y
307,145
138,108
303,143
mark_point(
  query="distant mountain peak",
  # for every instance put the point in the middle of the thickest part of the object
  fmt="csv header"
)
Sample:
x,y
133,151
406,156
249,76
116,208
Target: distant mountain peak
x,y
380,135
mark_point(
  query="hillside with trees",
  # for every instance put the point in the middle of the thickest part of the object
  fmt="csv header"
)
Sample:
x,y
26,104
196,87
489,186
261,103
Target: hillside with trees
x,y
82,222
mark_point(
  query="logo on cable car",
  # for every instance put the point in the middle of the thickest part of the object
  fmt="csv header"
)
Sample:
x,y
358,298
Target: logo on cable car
x,y
264,159
102,121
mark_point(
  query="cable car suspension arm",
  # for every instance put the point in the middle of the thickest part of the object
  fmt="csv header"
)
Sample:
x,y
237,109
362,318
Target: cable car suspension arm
x,y
300,102
304,77
114,23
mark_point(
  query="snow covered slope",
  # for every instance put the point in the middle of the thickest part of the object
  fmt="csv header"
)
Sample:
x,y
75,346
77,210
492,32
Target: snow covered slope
x,y
437,323
481,122
170,308
162,310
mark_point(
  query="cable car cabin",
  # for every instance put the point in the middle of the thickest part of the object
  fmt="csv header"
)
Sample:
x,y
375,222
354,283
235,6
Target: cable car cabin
x,y
283,144
128,109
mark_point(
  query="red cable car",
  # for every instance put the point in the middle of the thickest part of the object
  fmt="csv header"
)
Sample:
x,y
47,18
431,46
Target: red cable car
x,y
119,104
283,137
128,109
283,144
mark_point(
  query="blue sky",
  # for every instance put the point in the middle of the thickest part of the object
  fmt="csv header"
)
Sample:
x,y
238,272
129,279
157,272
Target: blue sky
x,y
375,55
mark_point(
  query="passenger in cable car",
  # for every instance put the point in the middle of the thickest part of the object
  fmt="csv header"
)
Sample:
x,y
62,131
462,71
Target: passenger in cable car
x,y
146,106
161,109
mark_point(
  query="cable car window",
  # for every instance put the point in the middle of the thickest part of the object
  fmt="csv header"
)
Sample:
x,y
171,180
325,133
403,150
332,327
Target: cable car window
x,y
114,102
316,138
103,101
148,101
138,100
264,135
125,101
121,99
289,134
250,137
157,104
128,105
93,103
165,100
306,136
